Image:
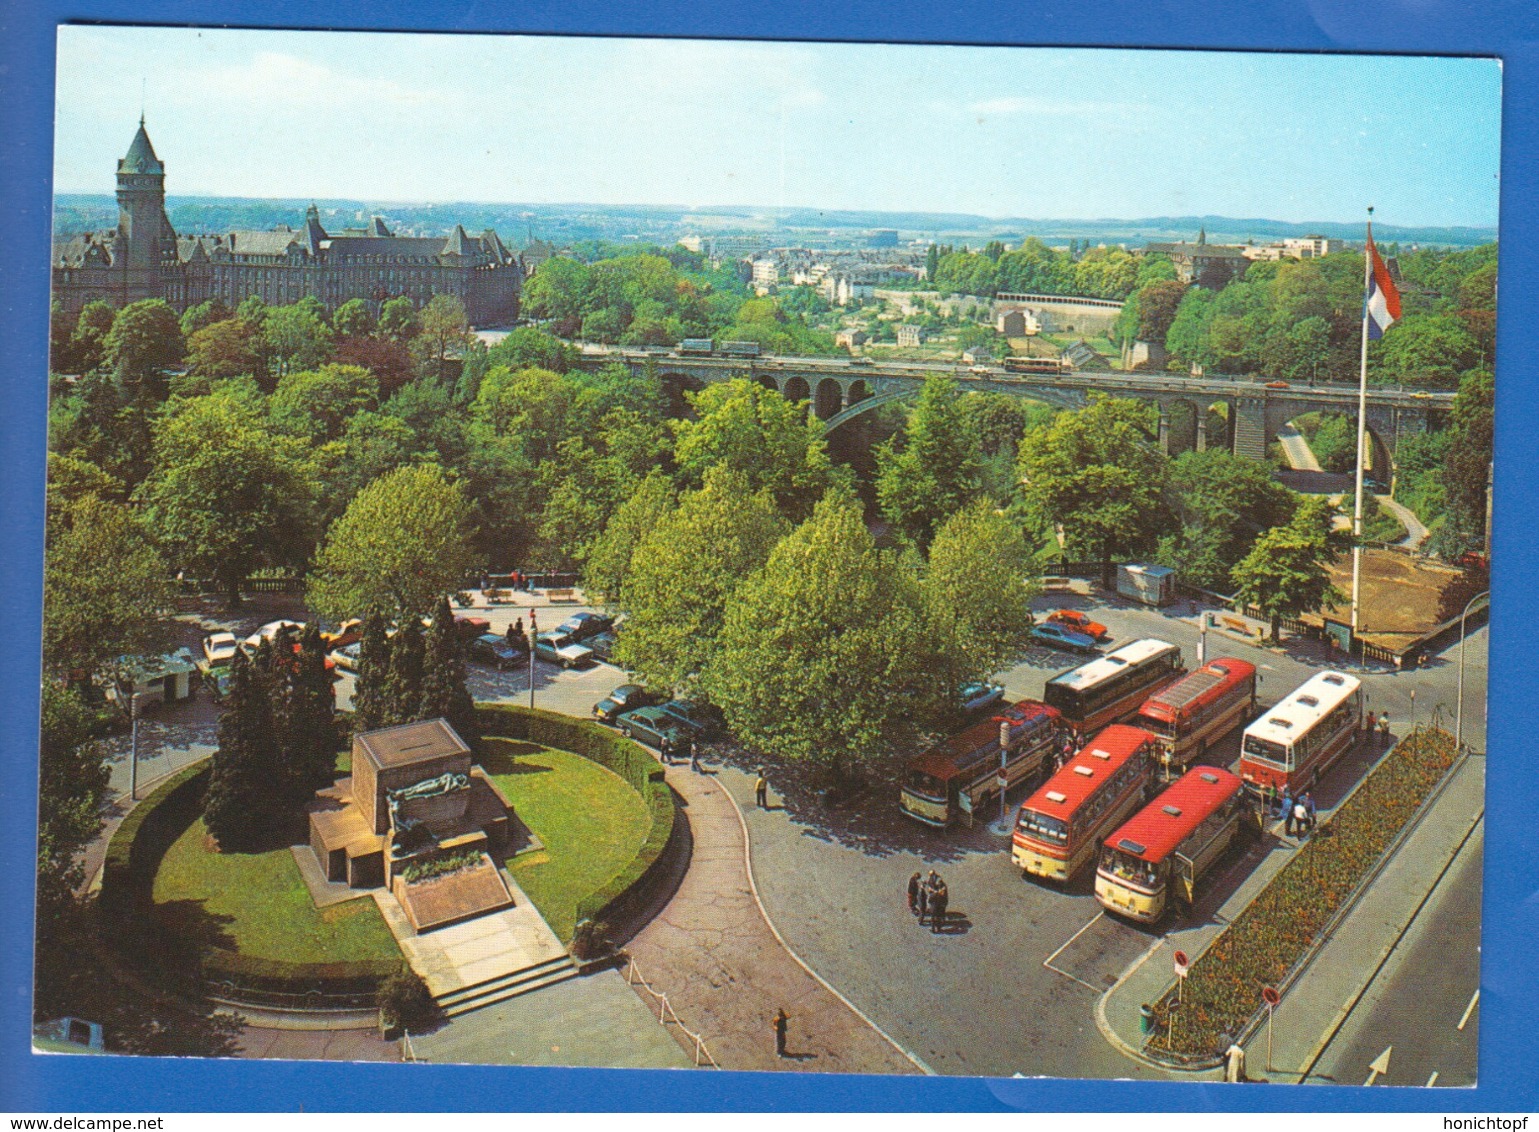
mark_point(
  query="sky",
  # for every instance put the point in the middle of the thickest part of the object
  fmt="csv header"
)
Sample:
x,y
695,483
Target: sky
x,y
1044,133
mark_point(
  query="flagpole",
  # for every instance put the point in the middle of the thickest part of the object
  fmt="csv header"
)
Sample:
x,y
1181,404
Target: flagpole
x,y
1362,417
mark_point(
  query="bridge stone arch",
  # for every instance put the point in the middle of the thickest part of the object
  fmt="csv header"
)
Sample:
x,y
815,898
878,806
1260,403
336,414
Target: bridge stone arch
x,y
860,399
768,382
796,389
827,398
675,386
1384,427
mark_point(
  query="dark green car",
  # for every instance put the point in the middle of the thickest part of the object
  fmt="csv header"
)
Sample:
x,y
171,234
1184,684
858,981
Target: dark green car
x,y
656,728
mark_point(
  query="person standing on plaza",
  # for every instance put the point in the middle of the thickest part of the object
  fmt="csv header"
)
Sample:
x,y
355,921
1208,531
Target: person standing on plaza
x,y
938,900
782,1022
1284,802
1297,818
761,792
694,758
1368,722
913,892
922,902
1384,727
1309,811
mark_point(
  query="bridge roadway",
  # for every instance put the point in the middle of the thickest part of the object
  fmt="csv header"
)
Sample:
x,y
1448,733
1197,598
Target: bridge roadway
x,y
1111,381
1253,412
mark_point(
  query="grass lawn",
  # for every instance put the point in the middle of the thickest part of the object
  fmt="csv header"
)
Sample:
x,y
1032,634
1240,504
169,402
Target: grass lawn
x,y
591,823
259,903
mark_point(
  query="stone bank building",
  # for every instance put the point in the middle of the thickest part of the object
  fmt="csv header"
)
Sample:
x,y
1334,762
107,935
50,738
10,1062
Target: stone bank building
x,y
145,258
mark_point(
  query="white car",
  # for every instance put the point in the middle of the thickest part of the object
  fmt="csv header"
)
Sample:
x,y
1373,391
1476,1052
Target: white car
x,y
218,651
268,632
560,649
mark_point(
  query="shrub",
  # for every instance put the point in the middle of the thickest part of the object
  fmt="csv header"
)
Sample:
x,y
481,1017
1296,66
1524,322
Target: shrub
x,y
405,1003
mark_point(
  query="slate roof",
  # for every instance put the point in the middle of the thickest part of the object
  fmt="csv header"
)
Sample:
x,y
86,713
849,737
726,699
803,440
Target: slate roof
x,y
77,250
140,157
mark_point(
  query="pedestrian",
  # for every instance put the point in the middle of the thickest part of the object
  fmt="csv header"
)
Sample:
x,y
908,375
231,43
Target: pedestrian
x,y
781,1022
1298,816
938,900
1384,726
761,792
913,893
1309,811
1268,798
1368,726
1284,802
694,758
923,902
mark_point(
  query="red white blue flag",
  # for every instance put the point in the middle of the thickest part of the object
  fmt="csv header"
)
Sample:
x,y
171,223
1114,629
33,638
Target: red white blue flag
x,y
1382,305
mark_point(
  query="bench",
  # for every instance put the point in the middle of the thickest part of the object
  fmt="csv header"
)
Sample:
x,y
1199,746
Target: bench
x,y
498,597
1052,583
563,596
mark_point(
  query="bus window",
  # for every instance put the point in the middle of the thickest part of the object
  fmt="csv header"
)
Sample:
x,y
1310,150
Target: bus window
x,y
925,786
1044,826
1266,749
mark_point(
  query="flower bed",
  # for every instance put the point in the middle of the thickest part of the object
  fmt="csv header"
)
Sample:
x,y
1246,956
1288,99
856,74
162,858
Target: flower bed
x,y
1269,938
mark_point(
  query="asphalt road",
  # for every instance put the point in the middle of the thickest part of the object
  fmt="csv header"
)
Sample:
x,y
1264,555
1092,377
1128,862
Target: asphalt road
x,y
1422,1007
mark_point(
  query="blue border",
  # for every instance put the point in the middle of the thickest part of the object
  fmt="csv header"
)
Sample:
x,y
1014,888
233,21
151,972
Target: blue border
x,y
1509,29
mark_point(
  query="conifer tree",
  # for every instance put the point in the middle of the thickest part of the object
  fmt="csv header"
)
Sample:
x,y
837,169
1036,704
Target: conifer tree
x,y
312,736
443,675
237,806
403,687
370,686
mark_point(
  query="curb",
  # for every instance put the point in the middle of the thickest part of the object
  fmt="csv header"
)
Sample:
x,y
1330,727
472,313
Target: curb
x,y
753,888
1115,1039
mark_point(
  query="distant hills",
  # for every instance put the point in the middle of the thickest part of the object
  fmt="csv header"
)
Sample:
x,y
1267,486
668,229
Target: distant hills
x,y
567,223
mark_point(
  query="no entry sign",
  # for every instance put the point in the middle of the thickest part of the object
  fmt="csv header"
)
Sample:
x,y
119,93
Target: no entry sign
x,y
1182,963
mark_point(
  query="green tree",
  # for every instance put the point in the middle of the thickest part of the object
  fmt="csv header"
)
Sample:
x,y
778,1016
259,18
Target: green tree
x,y
976,592
1093,476
609,559
1287,570
88,344
353,319
398,318
238,807
106,589
529,348
1423,350
683,572
401,542
296,339
758,433
225,496
445,331
444,694
1222,502
145,339
319,404
1466,471
403,686
72,790
819,647
309,732
209,311
369,706
228,348
933,472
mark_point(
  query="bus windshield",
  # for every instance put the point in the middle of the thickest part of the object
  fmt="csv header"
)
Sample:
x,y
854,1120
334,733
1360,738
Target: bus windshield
x,y
1045,826
1060,697
1266,749
1130,869
925,785
1163,728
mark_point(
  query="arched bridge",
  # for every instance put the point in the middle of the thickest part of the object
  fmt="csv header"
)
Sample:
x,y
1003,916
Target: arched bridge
x,y
1239,414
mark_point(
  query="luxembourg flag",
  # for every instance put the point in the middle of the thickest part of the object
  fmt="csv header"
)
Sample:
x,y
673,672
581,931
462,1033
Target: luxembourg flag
x,y
1383,303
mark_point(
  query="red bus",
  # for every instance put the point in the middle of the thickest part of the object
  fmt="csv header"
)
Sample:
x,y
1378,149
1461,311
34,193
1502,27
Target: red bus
x,y
1059,828
960,775
1111,688
1198,709
1298,740
1167,847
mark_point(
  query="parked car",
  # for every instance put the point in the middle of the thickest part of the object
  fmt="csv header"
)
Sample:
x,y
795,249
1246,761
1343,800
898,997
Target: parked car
x,y
1061,638
343,635
581,626
627,697
219,651
978,696
1074,619
472,627
656,728
346,657
559,648
493,649
702,720
268,632
219,681
603,645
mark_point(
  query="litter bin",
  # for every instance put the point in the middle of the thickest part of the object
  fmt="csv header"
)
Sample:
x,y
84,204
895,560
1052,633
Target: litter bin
x,y
1146,1019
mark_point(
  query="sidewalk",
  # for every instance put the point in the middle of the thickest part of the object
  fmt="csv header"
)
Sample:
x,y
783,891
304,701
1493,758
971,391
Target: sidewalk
x,y
726,972
1320,999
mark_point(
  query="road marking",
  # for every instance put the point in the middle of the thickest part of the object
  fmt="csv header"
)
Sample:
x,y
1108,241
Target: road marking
x,y
1048,962
1378,1066
1432,1080
1470,1009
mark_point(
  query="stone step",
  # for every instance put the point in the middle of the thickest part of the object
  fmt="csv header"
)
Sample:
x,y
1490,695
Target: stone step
x,y
506,986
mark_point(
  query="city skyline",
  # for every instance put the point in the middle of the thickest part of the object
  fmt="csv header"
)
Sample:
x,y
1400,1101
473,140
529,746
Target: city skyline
x,y
518,119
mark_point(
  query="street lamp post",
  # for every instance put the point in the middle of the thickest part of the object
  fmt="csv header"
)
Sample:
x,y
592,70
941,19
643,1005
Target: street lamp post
x,y
1459,709
534,635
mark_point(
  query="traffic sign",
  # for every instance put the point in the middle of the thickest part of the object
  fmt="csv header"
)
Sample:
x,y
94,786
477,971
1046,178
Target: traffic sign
x,y
1002,781
1270,996
1182,963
